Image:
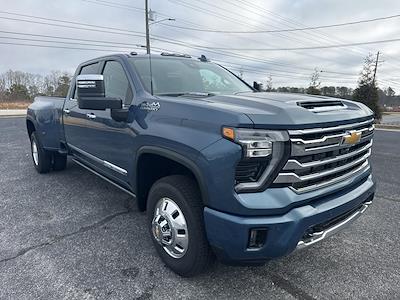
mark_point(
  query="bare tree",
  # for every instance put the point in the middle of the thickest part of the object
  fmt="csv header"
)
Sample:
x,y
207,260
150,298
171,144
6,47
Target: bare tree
x,y
313,88
268,86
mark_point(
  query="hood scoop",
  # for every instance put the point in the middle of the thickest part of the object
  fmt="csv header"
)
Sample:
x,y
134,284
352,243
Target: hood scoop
x,y
322,106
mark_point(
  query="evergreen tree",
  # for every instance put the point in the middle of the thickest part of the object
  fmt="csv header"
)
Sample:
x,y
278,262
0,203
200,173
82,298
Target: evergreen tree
x,y
367,91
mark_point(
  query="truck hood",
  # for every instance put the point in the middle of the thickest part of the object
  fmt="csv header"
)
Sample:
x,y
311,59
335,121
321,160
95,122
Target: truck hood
x,y
291,111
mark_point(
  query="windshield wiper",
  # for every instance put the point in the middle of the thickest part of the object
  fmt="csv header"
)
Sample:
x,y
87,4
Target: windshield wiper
x,y
188,94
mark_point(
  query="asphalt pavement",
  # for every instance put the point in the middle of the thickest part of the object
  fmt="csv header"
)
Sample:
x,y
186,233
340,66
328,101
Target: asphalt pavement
x,y
71,235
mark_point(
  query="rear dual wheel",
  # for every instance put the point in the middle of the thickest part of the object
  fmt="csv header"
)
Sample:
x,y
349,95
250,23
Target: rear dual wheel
x,y
43,160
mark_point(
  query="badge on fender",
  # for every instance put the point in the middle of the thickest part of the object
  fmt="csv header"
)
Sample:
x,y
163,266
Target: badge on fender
x,y
154,106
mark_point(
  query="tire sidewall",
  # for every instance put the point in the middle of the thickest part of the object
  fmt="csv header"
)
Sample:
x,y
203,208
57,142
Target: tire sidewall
x,y
184,264
34,139
43,161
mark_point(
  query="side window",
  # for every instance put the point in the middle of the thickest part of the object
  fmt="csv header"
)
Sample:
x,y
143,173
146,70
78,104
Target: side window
x,y
89,69
116,83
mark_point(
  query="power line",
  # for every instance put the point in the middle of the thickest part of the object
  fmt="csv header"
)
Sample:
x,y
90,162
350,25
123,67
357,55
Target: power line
x,y
311,48
281,19
133,8
115,5
68,38
60,21
236,21
233,19
214,13
71,43
288,29
58,47
138,34
123,32
169,41
247,69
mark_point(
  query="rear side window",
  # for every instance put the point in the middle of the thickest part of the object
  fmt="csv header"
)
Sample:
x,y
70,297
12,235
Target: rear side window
x,y
116,82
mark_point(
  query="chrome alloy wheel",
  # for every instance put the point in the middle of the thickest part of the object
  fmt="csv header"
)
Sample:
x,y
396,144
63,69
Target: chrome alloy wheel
x,y
35,154
169,228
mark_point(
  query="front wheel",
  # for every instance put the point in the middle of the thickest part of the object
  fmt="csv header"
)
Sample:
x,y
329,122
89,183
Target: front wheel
x,y
175,220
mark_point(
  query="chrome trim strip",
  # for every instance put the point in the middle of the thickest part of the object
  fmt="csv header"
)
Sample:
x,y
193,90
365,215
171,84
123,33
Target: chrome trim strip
x,y
317,141
301,150
100,161
293,164
103,177
318,130
326,137
89,77
319,236
115,168
328,108
293,177
363,168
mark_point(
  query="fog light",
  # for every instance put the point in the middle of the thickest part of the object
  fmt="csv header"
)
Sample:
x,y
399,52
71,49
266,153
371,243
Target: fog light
x,y
257,238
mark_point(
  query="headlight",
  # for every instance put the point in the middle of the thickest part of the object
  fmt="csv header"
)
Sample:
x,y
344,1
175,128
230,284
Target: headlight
x,y
264,152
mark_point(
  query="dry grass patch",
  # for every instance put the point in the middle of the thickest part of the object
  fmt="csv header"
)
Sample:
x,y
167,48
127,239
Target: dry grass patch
x,y
14,105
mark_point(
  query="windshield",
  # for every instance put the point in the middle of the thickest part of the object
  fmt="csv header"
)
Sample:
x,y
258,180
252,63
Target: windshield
x,y
177,76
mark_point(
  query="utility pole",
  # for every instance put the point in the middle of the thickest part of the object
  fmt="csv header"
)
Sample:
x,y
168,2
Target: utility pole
x,y
146,11
376,67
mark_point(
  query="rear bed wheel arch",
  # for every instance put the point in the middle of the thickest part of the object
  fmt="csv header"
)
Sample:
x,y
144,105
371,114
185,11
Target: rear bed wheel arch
x,y
30,126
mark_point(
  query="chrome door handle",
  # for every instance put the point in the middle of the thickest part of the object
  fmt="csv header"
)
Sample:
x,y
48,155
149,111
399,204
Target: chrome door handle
x,y
91,116
67,111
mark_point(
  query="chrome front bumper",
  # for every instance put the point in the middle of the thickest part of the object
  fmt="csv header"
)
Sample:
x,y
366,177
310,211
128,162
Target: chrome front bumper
x,y
321,235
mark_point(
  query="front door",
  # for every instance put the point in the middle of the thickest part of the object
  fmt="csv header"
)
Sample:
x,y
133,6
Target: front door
x,y
110,141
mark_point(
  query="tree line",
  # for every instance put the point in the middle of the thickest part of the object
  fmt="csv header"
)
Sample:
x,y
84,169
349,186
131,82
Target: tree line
x,y
24,86
331,91
367,90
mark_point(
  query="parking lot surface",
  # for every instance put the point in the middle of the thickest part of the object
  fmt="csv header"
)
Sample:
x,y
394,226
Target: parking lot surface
x,y
71,235
391,119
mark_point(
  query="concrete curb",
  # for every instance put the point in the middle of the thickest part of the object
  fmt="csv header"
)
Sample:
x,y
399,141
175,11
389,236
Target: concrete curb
x,y
387,126
12,112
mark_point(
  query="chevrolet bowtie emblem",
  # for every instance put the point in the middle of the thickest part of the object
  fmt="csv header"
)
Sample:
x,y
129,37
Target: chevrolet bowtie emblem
x,y
351,138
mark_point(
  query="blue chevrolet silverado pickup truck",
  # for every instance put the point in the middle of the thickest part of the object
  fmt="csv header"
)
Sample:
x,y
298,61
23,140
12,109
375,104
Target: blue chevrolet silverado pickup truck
x,y
221,169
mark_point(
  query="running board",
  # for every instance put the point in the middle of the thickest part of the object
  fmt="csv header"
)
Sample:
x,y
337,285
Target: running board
x,y
103,177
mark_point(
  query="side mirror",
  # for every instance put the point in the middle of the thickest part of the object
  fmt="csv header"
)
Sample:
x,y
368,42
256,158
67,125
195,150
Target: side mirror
x,y
257,86
91,93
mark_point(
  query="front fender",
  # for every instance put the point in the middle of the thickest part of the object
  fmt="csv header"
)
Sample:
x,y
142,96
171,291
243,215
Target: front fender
x,y
187,159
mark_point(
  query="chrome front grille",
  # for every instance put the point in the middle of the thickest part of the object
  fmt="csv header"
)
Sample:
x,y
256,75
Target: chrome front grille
x,y
326,156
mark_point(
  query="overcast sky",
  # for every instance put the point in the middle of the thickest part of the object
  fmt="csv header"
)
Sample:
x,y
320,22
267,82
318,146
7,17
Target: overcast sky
x,y
292,68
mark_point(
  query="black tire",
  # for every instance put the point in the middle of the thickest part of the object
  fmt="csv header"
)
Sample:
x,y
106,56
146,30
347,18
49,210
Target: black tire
x,y
185,193
59,162
42,161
